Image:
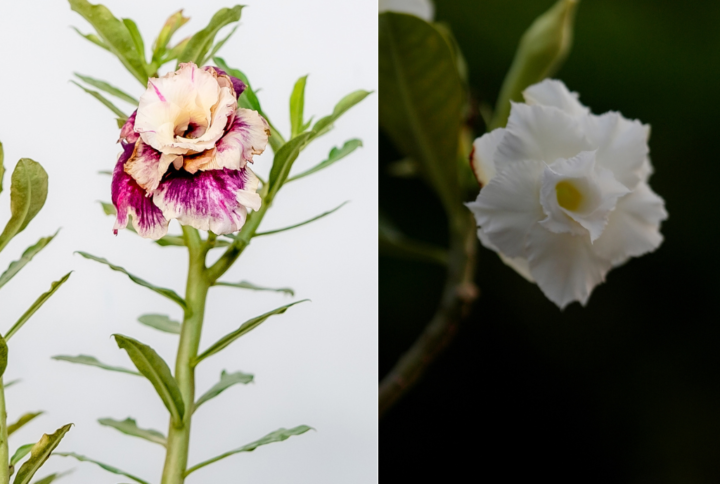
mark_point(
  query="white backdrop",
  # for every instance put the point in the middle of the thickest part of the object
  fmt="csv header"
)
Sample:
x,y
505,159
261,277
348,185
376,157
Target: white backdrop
x,y
315,365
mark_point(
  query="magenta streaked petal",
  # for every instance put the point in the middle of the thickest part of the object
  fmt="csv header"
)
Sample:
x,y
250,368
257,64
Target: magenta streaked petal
x,y
129,199
127,132
147,166
238,85
215,200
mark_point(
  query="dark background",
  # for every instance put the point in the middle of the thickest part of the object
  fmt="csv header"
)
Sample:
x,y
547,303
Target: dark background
x,y
627,389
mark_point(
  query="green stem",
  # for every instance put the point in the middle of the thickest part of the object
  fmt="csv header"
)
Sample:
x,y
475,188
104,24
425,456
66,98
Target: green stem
x,y
4,447
178,443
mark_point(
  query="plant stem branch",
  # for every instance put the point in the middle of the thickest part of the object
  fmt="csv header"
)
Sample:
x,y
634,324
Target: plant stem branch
x,y
458,294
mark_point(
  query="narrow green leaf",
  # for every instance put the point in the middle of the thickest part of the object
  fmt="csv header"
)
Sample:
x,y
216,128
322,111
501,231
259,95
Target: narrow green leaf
x,y
28,191
174,22
129,427
21,452
246,327
105,172
92,361
26,257
11,383
22,421
282,163
226,381
168,293
104,86
277,436
93,38
136,38
108,468
105,101
323,125
154,368
218,45
2,166
297,106
108,208
249,285
39,454
171,241
325,214
52,477
394,243
114,35
201,42
178,49
3,356
37,305
160,322
336,154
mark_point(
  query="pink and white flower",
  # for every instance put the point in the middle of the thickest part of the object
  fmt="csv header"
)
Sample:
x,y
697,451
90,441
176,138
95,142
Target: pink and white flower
x,y
185,151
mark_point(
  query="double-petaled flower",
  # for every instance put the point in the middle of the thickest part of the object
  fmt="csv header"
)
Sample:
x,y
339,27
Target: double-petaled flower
x,y
565,194
185,151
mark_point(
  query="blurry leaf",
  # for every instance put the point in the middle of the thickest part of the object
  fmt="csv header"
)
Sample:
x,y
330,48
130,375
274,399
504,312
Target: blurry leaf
x,y
2,166
218,46
404,168
3,356
104,86
28,191
323,125
94,39
168,293
248,326
297,106
154,368
39,454
282,163
201,42
396,244
269,232
108,468
114,35
105,172
108,208
174,22
21,452
543,49
136,38
26,257
103,100
277,436
36,305
175,52
129,427
336,154
12,428
226,381
11,383
92,361
248,285
52,477
171,241
160,322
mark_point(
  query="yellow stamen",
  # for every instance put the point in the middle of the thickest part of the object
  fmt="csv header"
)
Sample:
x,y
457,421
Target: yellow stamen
x,y
568,196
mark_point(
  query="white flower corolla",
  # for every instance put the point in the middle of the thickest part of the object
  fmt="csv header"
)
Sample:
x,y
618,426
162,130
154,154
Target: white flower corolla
x,y
565,194
425,9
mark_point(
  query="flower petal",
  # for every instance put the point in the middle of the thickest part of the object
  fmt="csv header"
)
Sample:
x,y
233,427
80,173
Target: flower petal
x,y
215,200
509,205
129,199
565,266
518,263
633,228
127,132
551,92
482,158
238,85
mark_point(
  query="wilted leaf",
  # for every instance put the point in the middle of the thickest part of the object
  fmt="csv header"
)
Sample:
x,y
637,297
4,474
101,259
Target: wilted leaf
x,y
36,305
250,285
129,427
92,361
26,257
324,214
161,322
226,381
39,454
108,468
336,154
28,191
200,43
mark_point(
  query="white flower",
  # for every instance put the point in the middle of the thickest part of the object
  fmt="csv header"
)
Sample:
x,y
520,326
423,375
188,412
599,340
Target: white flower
x,y
564,193
425,9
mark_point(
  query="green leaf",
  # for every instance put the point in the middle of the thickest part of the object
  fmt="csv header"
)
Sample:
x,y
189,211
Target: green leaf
x,y
168,293
160,322
325,214
422,99
11,383
171,241
104,86
22,421
26,257
136,38
178,49
395,243
154,368
114,35
249,285
3,356
174,22
323,125
219,46
92,361
2,166
108,468
39,454
36,305
106,102
297,105
201,42
108,208
28,191
282,163
52,477
277,436
226,381
94,39
336,154
21,452
247,326
129,427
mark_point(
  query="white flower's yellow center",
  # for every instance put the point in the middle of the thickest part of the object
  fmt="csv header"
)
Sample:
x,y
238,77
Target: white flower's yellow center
x,y
568,196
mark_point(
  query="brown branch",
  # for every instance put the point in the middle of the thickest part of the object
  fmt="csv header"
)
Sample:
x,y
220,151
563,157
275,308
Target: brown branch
x,y
458,294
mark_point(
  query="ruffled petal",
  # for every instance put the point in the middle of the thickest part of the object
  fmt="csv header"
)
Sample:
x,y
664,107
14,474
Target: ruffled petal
x,y
215,200
129,199
520,264
551,92
565,266
147,166
482,158
509,205
540,133
238,85
127,132
633,228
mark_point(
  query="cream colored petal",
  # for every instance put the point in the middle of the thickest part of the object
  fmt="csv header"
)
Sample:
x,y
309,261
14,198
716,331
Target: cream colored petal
x,y
482,159
554,93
